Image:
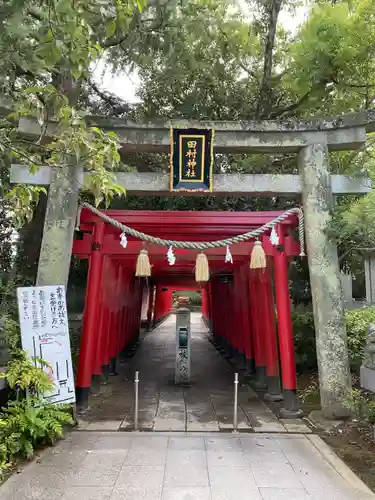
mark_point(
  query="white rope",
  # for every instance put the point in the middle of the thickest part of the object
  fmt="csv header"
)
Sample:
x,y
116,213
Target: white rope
x,y
204,245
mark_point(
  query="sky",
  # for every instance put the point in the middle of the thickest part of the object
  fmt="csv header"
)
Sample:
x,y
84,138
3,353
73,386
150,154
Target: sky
x,y
125,85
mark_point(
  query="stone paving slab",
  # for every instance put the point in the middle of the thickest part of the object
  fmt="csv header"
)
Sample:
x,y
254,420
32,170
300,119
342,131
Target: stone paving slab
x,y
182,466
295,426
206,405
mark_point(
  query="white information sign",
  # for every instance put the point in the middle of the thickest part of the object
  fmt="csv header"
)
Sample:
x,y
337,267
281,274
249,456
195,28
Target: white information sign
x,y
45,334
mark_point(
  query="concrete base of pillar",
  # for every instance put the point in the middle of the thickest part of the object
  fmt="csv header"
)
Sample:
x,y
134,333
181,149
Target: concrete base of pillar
x,y
95,384
274,391
290,414
260,382
112,367
273,398
214,341
105,369
233,351
291,407
82,400
336,411
227,351
250,367
240,362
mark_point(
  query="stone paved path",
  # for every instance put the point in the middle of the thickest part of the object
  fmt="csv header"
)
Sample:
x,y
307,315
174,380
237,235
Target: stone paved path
x,y
211,466
207,405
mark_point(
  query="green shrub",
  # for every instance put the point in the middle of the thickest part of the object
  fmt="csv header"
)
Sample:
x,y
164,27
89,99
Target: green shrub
x,y
27,421
304,340
360,404
357,321
195,300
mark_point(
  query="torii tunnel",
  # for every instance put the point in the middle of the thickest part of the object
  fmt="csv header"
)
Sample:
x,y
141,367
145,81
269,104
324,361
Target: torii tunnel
x,y
239,305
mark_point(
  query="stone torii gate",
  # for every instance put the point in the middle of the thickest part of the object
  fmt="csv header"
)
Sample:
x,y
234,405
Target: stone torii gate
x,y
311,139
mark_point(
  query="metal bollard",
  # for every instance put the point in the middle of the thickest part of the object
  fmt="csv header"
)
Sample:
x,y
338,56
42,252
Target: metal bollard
x,y
235,412
136,383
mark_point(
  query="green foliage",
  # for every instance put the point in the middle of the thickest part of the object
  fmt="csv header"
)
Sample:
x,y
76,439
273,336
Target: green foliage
x,y
195,300
357,321
304,339
46,52
23,373
310,393
27,421
361,405
23,200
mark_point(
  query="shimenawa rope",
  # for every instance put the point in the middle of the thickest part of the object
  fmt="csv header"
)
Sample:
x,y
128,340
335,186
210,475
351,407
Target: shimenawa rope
x,y
203,245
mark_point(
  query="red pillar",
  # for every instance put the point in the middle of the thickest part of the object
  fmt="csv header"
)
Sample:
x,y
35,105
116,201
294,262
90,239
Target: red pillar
x,y
208,304
284,318
104,318
219,299
123,298
238,314
132,307
220,314
111,302
97,369
163,303
150,306
213,312
271,349
157,304
115,321
204,304
87,354
138,310
249,347
216,326
230,329
127,311
168,299
257,328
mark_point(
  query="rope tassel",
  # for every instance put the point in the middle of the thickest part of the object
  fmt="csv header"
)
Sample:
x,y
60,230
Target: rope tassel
x,y
202,271
143,267
258,257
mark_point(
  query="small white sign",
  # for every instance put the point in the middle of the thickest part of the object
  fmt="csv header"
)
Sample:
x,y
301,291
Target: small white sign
x,y
45,334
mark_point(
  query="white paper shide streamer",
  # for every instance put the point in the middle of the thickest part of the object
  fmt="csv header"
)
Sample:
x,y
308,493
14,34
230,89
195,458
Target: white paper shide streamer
x,y
274,238
123,240
228,256
171,256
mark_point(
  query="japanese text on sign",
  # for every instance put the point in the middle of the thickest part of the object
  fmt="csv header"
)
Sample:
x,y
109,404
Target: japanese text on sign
x,y
45,335
192,158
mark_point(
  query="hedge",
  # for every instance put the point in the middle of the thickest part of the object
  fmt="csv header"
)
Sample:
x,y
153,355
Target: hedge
x,y
357,321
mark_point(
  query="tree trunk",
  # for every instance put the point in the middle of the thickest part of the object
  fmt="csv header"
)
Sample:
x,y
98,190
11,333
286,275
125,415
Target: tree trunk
x,y
265,93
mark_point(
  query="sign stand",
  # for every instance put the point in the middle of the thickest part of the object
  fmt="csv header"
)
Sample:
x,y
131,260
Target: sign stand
x,y
45,335
183,341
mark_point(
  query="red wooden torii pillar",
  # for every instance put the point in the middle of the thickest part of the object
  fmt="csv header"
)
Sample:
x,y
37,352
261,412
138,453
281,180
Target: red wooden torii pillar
x,y
111,325
263,326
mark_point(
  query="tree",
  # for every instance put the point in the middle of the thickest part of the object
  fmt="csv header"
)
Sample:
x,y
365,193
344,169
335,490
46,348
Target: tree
x,y
201,59
205,60
46,49
336,47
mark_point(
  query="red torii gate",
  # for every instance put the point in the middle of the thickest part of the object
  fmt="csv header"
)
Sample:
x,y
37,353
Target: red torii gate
x,y
240,311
